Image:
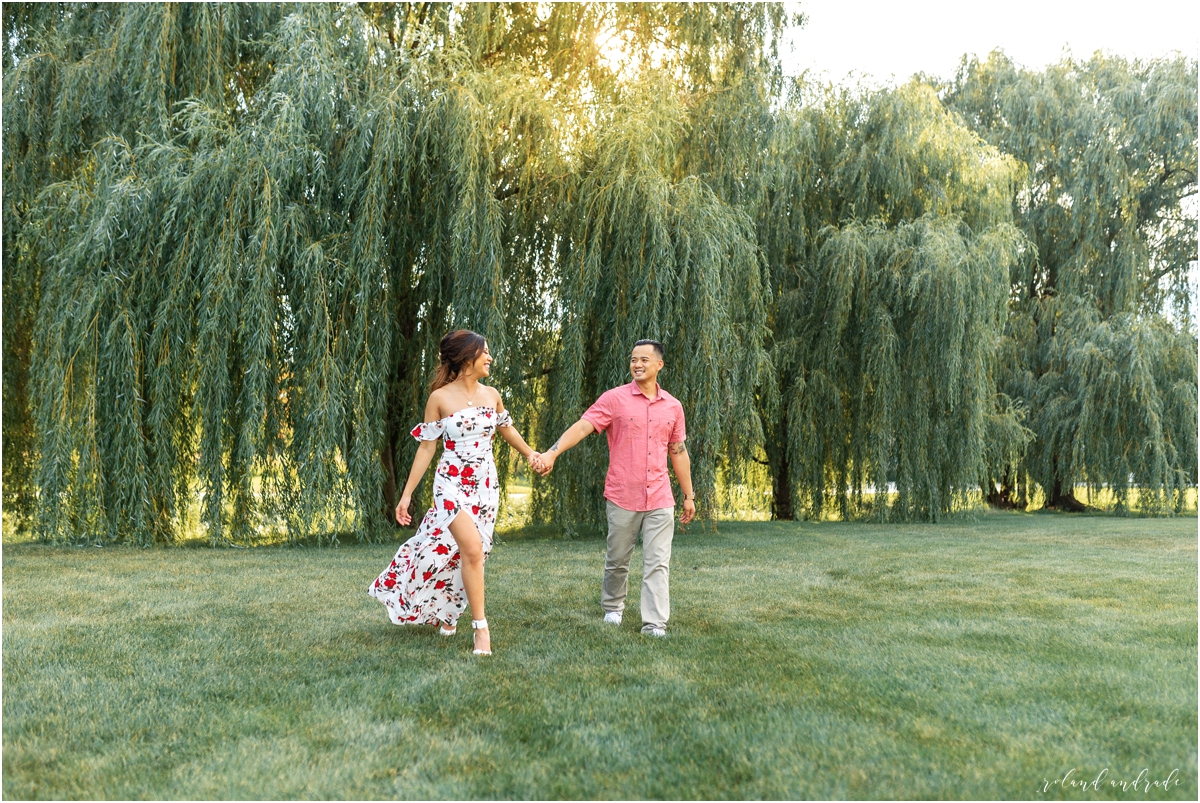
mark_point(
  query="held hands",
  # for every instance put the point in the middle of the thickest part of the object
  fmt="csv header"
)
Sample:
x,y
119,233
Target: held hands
x,y
538,463
545,463
403,517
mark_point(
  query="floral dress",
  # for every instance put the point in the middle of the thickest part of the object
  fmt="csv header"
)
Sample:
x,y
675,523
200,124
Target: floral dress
x,y
423,583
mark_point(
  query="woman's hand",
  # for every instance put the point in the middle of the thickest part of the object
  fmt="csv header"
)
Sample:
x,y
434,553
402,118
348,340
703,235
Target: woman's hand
x,y
403,517
536,462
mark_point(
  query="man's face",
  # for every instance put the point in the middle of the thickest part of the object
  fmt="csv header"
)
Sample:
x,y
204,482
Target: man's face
x,y
644,364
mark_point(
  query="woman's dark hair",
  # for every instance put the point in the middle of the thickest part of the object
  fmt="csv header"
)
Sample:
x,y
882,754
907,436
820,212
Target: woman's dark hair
x,y
658,347
457,350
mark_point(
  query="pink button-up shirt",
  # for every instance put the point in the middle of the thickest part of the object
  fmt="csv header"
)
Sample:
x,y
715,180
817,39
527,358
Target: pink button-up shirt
x,y
638,433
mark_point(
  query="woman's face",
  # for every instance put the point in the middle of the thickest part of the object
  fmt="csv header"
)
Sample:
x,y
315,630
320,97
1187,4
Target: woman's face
x,y
482,366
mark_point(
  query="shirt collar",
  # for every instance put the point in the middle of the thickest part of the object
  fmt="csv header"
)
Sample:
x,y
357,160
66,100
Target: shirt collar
x,y
636,391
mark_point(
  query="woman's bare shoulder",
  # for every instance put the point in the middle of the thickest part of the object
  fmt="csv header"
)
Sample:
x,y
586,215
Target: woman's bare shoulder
x,y
438,399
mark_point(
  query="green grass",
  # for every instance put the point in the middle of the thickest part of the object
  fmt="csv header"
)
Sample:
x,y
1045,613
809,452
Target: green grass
x,y
971,659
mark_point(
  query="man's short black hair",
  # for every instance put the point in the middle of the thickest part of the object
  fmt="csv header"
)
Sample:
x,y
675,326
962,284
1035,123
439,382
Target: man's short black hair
x,y
658,347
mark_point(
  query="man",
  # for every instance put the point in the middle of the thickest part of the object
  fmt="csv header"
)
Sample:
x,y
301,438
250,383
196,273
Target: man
x,y
643,423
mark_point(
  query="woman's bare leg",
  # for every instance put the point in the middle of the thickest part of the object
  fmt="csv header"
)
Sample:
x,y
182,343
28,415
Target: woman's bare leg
x,y
470,551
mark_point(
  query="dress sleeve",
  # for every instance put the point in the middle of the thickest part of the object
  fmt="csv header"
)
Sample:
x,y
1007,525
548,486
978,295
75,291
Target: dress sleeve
x,y
503,419
428,431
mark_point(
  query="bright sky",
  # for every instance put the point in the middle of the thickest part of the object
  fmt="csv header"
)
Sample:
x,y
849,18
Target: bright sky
x,y
885,40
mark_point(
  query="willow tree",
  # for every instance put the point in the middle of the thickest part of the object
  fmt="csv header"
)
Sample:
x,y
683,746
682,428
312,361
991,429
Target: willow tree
x,y
75,74
251,227
651,255
886,225
652,247
1100,340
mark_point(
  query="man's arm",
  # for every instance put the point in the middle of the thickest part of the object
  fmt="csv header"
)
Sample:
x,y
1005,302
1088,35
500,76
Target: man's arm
x,y
574,434
682,463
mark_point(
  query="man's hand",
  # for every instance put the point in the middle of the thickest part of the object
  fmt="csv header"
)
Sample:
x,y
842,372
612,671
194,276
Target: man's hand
x,y
535,462
689,511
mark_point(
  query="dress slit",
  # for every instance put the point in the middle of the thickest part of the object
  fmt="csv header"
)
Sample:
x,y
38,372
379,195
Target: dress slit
x,y
423,583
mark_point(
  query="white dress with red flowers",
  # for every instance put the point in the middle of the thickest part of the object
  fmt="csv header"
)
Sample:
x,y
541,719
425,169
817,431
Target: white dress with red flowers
x,y
423,583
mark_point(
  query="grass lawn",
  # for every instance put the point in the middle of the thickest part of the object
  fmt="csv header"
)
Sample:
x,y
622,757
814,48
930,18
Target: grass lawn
x,y
972,659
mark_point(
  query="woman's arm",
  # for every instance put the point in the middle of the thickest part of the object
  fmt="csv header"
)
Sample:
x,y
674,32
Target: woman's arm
x,y
421,461
510,434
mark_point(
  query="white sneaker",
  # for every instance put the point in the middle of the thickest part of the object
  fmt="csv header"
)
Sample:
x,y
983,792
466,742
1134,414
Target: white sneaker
x,y
653,631
612,618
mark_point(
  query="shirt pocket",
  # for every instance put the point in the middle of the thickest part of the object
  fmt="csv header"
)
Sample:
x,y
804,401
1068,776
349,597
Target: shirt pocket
x,y
660,429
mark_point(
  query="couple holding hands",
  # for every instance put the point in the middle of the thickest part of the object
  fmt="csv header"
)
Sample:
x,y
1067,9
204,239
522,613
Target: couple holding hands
x,y
439,571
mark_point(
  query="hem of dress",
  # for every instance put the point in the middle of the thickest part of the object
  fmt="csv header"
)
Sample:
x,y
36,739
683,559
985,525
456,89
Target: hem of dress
x,y
441,521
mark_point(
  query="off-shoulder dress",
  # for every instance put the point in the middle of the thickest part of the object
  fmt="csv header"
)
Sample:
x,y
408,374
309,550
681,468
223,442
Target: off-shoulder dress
x,y
423,583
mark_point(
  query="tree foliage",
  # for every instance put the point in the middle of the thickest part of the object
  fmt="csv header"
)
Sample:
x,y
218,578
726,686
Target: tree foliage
x,y
75,75
234,234
244,281
1100,344
888,233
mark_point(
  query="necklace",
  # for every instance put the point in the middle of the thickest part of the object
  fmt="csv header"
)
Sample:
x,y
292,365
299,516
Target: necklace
x,y
470,400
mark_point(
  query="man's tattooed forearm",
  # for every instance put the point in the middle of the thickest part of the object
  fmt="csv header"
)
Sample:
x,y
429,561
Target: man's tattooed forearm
x,y
678,448
554,448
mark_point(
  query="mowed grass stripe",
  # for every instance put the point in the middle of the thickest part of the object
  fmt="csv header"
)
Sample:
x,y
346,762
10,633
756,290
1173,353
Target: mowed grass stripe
x,y
971,659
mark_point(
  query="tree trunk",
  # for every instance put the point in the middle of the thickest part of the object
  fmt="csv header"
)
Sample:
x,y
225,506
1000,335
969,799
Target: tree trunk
x,y
387,455
1009,494
999,496
394,425
1057,500
781,504
781,476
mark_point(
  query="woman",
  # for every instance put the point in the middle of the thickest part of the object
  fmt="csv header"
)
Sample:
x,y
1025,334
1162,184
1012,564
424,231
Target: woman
x,y
426,581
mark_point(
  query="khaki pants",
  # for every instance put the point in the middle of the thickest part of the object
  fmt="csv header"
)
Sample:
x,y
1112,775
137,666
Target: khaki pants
x,y
657,528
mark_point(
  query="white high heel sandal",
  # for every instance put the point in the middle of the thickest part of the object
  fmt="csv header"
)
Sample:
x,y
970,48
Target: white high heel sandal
x,y
444,631
480,624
